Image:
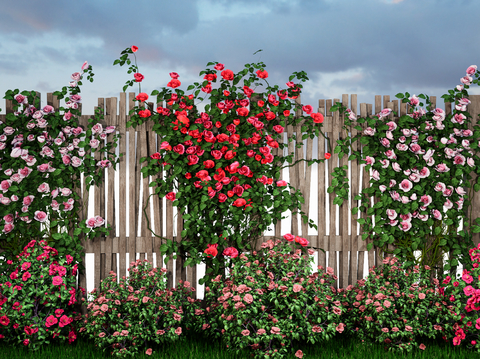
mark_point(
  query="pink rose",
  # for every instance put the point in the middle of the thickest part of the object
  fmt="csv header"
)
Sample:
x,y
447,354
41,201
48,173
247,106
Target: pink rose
x,y
57,280
471,69
40,216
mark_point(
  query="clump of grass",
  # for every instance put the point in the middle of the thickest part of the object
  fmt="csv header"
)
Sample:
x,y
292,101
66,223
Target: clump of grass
x,y
194,346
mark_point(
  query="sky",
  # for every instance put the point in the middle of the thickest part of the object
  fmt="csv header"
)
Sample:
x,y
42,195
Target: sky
x,y
368,47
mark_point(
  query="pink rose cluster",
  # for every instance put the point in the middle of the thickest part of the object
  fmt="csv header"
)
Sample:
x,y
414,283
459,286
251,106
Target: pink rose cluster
x,y
433,164
95,222
66,143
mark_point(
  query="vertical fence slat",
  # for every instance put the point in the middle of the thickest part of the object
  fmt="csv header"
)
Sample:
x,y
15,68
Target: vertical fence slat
x,y
354,184
122,185
110,262
99,205
322,205
333,162
157,202
343,266
132,186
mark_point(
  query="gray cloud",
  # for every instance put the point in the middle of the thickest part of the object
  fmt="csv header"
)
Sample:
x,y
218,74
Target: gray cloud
x,y
391,46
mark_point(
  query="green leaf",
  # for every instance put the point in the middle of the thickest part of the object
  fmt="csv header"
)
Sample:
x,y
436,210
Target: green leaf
x,y
369,247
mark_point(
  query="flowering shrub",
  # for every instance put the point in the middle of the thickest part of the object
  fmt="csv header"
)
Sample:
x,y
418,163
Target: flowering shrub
x,y
464,296
270,299
396,307
420,164
43,152
219,151
37,297
138,310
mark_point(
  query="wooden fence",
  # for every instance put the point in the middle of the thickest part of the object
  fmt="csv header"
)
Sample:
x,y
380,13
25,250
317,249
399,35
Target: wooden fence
x,y
105,249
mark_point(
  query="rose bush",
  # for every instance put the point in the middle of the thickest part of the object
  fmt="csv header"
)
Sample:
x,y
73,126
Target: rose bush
x,y
138,310
397,307
37,297
219,159
420,165
270,300
43,152
463,295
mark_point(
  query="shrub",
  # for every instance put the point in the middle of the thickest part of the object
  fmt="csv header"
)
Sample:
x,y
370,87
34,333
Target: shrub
x,y
396,308
270,300
464,295
138,310
37,298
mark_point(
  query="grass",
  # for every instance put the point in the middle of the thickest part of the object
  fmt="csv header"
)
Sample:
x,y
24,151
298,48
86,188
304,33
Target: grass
x,y
197,347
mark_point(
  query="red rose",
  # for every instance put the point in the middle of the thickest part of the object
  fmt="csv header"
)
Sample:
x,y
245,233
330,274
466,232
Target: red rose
x,y
229,155
226,93
317,117
302,241
192,160
308,109
202,174
174,83
138,77
240,202
144,113
221,137
222,197
180,149
227,75
230,193
286,113
170,196
328,155
262,74
242,111
209,164
230,252
219,67
174,75
210,77
211,250
134,48
142,96
155,156
269,115
188,175
238,190
289,237
216,154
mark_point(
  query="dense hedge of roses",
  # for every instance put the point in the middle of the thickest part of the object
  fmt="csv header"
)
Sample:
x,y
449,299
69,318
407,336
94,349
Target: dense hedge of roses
x,y
270,299
37,297
129,315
